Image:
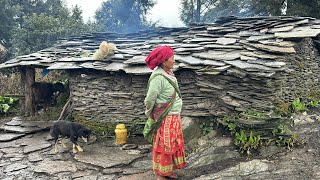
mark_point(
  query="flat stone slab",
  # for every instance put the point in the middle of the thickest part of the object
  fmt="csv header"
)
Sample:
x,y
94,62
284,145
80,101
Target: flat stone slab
x,y
269,63
213,63
101,156
53,167
146,164
83,173
178,50
138,70
226,41
15,167
261,55
298,34
212,55
107,177
281,29
144,175
188,59
248,66
136,60
112,170
190,45
259,37
211,158
242,169
133,171
223,47
39,124
276,43
10,136
34,157
19,129
115,66
14,123
273,49
11,151
36,147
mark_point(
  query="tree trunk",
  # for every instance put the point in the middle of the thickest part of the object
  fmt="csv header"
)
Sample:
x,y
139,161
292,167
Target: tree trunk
x,y
27,79
23,91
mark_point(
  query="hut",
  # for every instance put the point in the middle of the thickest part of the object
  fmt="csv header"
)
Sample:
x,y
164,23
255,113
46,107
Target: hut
x,y
232,65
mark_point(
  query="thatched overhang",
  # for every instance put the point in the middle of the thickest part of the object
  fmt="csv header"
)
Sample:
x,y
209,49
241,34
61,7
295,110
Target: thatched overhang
x,y
231,65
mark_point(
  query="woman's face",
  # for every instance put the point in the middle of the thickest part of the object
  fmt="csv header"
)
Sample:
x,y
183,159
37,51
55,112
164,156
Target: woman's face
x,y
169,63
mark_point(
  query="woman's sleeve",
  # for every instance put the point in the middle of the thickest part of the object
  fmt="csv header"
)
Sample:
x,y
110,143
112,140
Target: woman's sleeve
x,y
152,94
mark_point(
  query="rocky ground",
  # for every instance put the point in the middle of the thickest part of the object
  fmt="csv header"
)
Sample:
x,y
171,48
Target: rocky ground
x,y
26,153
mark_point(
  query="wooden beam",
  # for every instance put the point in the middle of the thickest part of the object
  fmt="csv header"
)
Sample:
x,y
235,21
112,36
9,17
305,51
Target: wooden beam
x,y
23,91
29,79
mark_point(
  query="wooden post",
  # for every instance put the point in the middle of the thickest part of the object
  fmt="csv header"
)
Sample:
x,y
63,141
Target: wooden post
x,y
198,11
28,80
23,91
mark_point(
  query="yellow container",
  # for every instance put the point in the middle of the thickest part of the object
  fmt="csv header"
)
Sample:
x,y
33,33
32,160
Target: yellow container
x,y
121,134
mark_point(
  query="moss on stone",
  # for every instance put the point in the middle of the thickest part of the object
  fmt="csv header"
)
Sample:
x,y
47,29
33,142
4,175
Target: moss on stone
x,y
282,108
99,128
313,95
299,64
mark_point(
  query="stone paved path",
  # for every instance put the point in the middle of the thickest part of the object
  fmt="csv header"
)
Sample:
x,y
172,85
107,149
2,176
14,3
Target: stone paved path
x,y
28,154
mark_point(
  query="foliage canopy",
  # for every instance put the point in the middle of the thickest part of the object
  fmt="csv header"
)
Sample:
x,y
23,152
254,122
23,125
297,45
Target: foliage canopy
x,y
124,16
32,25
211,9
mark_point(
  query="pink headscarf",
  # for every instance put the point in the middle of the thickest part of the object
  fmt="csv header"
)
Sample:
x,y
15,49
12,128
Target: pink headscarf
x,y
158,56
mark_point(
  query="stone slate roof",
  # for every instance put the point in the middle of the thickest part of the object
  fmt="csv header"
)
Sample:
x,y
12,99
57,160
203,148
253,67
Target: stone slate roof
x,y
257,45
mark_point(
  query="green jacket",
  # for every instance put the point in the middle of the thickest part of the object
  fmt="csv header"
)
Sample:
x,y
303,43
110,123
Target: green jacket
x,y
160,91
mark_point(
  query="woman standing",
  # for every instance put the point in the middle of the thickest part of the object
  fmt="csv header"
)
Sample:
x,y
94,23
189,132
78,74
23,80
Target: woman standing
x,y
163,91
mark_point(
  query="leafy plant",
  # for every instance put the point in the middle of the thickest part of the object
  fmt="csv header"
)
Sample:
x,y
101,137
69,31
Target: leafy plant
x,y
206,128
313,103
297,105
7,103
284,136
283,108
209,124
247,144
286,109
250,113
249,140
232,127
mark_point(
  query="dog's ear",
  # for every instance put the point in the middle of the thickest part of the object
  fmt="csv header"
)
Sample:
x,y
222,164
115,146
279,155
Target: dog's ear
x,y
84,132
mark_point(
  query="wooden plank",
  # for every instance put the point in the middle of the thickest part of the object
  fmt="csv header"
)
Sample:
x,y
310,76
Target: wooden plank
x,y
29,79
23,76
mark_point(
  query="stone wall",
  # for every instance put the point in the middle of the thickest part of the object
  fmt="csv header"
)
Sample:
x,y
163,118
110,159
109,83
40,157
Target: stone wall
x,y
108,97
302,74
118,97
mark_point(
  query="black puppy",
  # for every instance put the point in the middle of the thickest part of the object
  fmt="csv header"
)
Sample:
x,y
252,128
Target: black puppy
x,y
70,130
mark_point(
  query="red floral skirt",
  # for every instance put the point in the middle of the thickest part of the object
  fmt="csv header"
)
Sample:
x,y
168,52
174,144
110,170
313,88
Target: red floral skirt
x,y
168,146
